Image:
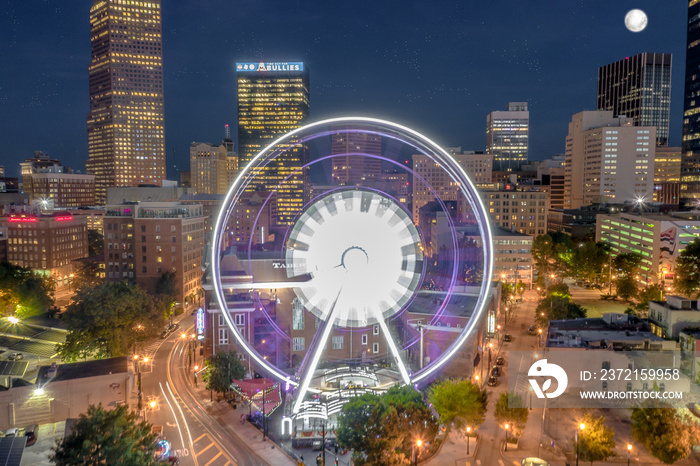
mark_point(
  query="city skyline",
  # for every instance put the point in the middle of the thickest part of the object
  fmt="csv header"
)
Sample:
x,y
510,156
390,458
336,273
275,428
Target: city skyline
x,y
436,76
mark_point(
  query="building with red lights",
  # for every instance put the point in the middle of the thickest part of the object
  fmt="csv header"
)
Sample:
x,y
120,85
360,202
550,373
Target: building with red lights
x,y
46,243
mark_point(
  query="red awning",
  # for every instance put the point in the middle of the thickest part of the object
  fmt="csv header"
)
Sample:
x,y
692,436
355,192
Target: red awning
x,y
253,389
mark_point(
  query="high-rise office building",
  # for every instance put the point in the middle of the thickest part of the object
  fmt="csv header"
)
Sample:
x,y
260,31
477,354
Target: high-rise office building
x,y
349,168
507,134
126,140
273,99
639,87
690,163
608,159
212,167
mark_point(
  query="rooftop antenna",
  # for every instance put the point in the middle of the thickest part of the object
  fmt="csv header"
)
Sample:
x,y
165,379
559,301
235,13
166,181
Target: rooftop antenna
x,y
228,131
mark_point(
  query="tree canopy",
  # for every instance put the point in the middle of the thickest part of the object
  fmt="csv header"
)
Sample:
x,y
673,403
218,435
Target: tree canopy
x,y
23,292
511,409
458,402
383,429
687,272
664,432
596,440
107,437
108,320
221,369
96,243
87,274
626,267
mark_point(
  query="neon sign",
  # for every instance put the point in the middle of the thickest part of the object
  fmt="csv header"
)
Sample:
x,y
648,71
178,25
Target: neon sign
x,y
64,218
294,66
23,219
200,323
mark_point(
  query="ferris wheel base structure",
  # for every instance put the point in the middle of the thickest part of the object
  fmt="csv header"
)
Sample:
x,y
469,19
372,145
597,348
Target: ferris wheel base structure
x,y
355,294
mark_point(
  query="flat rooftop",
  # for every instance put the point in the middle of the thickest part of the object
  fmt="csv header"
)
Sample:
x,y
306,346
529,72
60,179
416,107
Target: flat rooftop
x,y
80,370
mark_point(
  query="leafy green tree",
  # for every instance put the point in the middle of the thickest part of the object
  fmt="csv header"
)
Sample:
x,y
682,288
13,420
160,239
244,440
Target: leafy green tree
x,y
626,268
557,308
649,293
687,272
88,274
588,259
96,243
108,321
458,402
511,409
220,369
664,432
383,429
23,292
166,294
596,441
543,255
520,288
107,438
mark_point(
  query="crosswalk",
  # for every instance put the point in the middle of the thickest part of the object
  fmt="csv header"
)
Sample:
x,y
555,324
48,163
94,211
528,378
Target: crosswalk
x,y
521,382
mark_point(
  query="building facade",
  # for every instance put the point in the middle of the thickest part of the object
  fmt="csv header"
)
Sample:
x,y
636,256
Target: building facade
x,y
667,175
521,209
507,135
639,87
669,318
53,186
658,238
212,167
351,165
144,240
125,125
46,243
608,160
690,168
273,99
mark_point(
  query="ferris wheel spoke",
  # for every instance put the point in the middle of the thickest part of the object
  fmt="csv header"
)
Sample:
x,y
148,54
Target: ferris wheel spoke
x,y
392,346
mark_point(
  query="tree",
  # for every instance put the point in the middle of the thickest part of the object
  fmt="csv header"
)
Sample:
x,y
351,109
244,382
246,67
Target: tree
x,y
596,441
383,429
543,255
649,293
557,308
221,369
107,437
687,272
511,409
23,292
626,267
108,320
96,243
166,294
88,274
587,260
458,402
664,432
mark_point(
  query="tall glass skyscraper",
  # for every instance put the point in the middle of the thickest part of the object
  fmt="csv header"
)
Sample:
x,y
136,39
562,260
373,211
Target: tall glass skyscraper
x,y
273,99
507,135
690,161
126,140
639,87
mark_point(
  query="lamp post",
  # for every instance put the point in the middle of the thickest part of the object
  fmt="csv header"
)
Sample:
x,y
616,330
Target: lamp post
x,y
416,449
469,430
138,382
580,426
506,430
152,405
629,450
195,375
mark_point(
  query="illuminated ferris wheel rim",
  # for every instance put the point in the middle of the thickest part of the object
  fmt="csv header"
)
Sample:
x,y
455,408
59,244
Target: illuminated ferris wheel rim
x,y
407,136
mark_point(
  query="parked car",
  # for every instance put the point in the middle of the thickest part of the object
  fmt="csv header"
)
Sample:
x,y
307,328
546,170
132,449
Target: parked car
x,y
30,432
507,337
493,381
15,356
532,330
500,361
495,371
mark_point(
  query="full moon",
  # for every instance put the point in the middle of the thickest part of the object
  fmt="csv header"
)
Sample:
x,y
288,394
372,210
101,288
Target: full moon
x,y
636,20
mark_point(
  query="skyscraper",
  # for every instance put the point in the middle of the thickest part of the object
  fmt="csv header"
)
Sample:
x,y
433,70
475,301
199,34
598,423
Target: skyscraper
x,y
273,99
350,169
639,87
690,162
126,141
507,136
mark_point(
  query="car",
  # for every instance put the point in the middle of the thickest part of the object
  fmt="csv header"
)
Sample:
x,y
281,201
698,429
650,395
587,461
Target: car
x,y
317,445
493,381
164,334
532,330
12,432
496,371
30,432
15,356
174,327
500,361
507,337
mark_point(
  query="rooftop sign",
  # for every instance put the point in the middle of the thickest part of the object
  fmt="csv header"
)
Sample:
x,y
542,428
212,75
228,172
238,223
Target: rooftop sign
x,y
262,66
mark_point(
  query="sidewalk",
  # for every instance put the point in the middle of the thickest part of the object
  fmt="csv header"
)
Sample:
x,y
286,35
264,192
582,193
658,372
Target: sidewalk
x,y
454,451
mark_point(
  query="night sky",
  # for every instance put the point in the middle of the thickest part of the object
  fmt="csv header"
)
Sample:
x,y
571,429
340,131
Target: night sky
x,y
439,67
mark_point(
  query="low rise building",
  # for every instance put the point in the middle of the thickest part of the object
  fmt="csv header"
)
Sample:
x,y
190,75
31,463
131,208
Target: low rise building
x,y
669,318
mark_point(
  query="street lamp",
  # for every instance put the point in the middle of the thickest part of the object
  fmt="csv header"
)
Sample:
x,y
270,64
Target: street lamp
x,y
13,320
506,430
419,443
580,426
629,450
152,404
469,430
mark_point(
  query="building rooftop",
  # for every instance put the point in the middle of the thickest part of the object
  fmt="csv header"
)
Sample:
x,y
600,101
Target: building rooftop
x,y
80,370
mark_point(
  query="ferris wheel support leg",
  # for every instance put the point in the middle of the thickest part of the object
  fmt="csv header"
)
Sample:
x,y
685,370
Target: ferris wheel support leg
x,y
393,348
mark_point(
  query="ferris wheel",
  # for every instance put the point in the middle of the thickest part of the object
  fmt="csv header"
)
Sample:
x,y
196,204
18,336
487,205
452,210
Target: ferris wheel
x,y
354,277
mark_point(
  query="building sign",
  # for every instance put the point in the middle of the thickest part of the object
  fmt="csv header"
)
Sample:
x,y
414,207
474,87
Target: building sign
x,y
491,322
64,218
23,219
200,323
284,66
